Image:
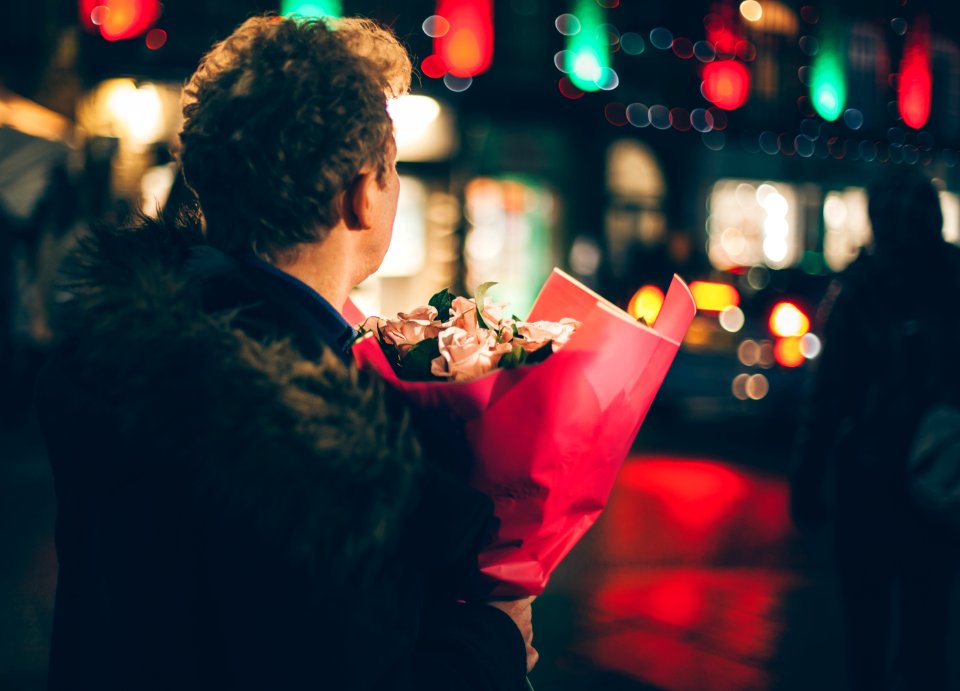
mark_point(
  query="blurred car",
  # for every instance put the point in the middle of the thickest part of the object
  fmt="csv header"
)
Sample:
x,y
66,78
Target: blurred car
x,y
750,348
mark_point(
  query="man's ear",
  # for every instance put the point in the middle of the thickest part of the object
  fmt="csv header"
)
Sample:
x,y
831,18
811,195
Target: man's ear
x,y
358,201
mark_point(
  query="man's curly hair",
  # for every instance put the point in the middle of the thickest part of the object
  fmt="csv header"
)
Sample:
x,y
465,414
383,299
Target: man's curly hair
x,y
279,119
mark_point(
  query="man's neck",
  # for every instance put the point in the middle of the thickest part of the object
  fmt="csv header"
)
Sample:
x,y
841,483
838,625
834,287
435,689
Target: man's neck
x,y
325,267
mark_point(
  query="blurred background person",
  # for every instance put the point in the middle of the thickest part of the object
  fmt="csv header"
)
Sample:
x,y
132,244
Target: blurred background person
x,y
889,355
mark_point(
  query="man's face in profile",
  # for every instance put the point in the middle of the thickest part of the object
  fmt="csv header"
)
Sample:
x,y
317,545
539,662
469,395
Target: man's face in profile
x,y
385,197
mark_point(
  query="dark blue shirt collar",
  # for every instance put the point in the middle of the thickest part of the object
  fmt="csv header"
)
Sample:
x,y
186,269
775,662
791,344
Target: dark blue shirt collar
x,y
334,328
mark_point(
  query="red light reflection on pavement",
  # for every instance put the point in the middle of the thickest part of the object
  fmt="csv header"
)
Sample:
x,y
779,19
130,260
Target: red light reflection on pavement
x,y
685,601
691,511
688,629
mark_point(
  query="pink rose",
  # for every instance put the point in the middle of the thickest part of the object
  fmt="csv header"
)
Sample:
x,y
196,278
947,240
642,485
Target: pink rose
x,y
493,315
410,328
465,355
536,334
463,314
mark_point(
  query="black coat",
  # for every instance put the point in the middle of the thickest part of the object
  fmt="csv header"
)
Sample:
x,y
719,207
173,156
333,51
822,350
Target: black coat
x,y
889,354
237,507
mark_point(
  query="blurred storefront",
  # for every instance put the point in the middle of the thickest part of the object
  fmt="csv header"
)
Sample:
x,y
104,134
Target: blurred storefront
x,y
730,142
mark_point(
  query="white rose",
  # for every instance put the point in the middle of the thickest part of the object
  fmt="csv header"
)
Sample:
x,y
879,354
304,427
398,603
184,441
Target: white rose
x,y
536,334
410,328
467,355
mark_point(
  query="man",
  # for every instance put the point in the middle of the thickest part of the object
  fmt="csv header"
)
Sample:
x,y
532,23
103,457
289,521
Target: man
x,y
238,506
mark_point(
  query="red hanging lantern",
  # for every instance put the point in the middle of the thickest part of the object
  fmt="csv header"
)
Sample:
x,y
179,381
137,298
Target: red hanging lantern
x,y
726,83
466,49
916,82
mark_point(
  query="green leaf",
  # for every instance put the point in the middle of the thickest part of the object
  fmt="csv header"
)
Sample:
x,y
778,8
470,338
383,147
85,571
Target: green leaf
x,y
442,302
415,365
540,354
516,357
479,296
508,361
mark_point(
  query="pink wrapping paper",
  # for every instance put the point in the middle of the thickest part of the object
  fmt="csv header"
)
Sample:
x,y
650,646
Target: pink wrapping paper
x,y
549,439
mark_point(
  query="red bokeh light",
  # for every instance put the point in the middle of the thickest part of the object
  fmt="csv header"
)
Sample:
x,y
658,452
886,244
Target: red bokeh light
x,y
726,83
723,30
467,48
568,89
156,39
915,83
433,67
616,114
119,19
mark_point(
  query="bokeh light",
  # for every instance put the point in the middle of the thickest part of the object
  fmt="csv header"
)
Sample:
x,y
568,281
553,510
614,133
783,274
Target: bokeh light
x,y
787,320
311,8
569,89
646,304
660,117
433,66
810,346
457,84
916,81
748,352
156,39
757,387
787,351
123,19
435,26
632,43
661,38
683,48
588,50
616,114
567,24
638,115
726,83
466,48
751,10
828,85
732,319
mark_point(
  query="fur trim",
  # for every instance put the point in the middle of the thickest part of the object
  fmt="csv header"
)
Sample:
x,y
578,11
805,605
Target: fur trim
x,y
315,453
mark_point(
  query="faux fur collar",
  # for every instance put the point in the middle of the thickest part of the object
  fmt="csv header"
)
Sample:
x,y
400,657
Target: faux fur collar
x,y
313,451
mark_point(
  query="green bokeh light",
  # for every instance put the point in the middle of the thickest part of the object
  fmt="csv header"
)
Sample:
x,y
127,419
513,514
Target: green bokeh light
x,y
828,85
311,8
588,50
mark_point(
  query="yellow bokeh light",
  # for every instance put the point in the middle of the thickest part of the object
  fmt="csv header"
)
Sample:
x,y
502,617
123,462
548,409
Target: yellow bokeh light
x,y
714,297
786,320
751,10
646,304
788,352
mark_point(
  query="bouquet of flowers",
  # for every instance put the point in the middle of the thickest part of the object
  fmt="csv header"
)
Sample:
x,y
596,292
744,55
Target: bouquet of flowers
x,y
458,339
549,406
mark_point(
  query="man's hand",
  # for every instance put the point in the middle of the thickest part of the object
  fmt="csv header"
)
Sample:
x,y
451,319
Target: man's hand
x,y
522,614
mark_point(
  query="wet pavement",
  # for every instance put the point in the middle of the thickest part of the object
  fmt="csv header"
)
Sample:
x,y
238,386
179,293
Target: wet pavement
x,y
691,580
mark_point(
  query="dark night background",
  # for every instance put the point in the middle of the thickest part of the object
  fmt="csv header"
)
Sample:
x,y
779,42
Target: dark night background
x,y
693,579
